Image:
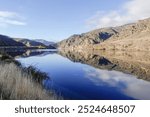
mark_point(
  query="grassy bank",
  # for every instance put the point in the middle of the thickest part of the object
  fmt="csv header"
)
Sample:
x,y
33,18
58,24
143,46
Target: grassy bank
x,y
21,83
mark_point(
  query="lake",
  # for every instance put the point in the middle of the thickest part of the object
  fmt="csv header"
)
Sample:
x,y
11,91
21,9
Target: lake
x,y
92,75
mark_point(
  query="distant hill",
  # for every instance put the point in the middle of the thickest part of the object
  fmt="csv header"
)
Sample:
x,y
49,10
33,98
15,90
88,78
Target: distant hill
x,y
47,43
134,37
50,45
30,43
8,41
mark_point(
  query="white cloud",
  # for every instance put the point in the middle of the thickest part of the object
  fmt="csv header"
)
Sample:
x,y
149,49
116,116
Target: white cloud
x,y
10,18
131,11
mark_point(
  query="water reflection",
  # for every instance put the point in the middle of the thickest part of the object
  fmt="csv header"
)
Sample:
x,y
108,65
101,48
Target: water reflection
x,y
95,74
30,52
136,63
128,84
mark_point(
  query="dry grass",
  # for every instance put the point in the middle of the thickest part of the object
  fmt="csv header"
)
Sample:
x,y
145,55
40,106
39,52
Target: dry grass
x,y
15,84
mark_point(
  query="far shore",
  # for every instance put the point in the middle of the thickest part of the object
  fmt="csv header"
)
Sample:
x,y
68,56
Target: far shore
x,y
21,47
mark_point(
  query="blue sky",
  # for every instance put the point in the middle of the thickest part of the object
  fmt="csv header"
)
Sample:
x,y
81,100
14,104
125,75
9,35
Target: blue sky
x,y
55,20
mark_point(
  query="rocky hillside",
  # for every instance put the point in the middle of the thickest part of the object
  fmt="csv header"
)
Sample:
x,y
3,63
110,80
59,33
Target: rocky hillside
x,y
90,38
134,37
7,41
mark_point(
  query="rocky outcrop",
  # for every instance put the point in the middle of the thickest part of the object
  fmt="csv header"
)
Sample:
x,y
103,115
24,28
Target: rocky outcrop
x,y
133,37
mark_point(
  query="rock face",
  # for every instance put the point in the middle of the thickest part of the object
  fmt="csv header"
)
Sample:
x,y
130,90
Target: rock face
x,y
134,37
7,41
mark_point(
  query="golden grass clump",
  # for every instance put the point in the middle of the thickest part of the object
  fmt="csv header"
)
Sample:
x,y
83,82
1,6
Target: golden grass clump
x,y
15,84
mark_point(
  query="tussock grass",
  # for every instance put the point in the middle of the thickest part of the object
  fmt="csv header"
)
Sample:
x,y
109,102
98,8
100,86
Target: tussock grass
x,y
16,84
37,75
5,58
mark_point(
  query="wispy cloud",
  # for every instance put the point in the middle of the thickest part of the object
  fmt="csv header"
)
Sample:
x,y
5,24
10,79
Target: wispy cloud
x,y
10,18
129,12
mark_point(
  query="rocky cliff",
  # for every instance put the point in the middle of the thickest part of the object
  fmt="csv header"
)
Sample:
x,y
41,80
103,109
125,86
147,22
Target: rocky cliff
x,y
134,37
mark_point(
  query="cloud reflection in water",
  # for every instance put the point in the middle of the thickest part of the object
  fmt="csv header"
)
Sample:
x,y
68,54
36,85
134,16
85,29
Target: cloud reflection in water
x,y
128,84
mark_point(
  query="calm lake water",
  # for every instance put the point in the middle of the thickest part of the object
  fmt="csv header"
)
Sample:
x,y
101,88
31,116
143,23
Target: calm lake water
x,y
71,78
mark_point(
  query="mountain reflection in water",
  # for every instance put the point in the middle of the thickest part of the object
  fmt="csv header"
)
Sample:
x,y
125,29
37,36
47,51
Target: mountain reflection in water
x,y
95,74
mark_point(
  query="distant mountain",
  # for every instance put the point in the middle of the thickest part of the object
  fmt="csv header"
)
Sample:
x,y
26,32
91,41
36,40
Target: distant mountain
x,y
47,43
131,37
30,43
8,41
50,45
36,43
